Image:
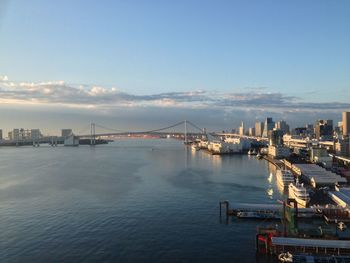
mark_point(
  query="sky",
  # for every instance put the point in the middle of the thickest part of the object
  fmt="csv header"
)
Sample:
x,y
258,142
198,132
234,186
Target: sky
x,y
146,64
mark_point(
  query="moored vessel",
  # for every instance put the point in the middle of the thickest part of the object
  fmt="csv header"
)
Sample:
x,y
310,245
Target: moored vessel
x,y
284,178
195,147
298,192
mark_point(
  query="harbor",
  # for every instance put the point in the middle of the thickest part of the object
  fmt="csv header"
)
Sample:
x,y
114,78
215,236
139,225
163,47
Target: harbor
x,y
309,223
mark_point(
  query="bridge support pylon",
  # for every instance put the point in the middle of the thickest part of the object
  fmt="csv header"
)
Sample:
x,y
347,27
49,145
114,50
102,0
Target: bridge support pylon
x,y
92,134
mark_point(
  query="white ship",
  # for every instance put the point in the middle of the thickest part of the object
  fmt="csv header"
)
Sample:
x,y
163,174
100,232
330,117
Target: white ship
x,y
284,178
298,192
195,147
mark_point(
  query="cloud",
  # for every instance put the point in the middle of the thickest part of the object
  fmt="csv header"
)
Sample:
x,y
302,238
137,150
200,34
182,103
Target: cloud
x,y
59,93
3,78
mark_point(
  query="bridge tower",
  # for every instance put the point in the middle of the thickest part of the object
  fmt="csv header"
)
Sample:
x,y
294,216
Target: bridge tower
x,y
92,134
185,132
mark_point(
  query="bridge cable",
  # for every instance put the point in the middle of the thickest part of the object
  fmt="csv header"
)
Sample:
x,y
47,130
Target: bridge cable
x,y
110,129
194,125
165,128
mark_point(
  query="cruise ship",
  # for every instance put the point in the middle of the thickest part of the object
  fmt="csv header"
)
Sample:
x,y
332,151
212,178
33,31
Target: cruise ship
x,y
284,178
298,192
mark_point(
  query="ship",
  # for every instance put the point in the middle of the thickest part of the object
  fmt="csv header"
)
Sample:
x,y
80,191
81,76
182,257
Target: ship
x,y
252,152
195,147
284,178
298,192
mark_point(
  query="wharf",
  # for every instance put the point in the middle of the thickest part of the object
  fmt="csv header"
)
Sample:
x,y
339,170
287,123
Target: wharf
x,y
223,153
278,163
275,210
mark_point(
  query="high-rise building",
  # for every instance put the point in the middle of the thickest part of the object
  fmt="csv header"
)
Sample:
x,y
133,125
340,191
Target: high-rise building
x,y
283,126
241,129
269,125
251,131
309,130
276,137
324,129
299,131
346,123
259,128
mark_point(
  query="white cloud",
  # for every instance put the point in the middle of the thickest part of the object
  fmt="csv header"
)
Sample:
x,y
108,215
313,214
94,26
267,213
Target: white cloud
x,y
62,94
4,78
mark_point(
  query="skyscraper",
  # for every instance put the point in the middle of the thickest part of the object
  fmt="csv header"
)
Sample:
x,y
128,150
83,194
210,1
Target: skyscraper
x,y
283,126
241,129
276,137
259,128
346,123
324,129
269,125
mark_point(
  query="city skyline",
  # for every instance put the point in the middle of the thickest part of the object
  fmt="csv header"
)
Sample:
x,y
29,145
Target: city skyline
x,y
140,65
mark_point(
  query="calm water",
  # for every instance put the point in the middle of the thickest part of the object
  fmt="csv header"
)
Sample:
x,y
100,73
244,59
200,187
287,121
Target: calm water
x,y
129,201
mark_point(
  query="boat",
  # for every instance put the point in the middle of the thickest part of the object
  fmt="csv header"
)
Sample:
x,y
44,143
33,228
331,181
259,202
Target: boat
x,y
285,257
284,178
259,215
259,156
195,147
298,192
341,226
252,152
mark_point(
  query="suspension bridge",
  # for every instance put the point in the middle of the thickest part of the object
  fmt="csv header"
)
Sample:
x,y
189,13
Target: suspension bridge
x,y
94,131
109,132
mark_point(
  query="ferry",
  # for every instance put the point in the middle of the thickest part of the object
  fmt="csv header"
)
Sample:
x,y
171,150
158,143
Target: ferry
x,y
298,192
284,178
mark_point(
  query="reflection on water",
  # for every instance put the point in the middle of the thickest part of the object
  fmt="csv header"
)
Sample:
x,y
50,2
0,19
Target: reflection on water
x,y
129,201
269,179
270,193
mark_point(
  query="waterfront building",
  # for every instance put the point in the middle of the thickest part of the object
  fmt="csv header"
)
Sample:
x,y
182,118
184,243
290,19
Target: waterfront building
x,y
71,141
318,176
283,126
66,132
278,151
324,129
268,126
346,123
259,128
320,155
35,134
24,134
341,196
14,134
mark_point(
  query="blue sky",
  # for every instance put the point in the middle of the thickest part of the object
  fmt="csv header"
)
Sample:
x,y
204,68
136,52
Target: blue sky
x,y
298,51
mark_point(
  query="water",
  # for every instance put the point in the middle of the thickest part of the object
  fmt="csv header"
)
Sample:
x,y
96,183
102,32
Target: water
x,y
129,201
